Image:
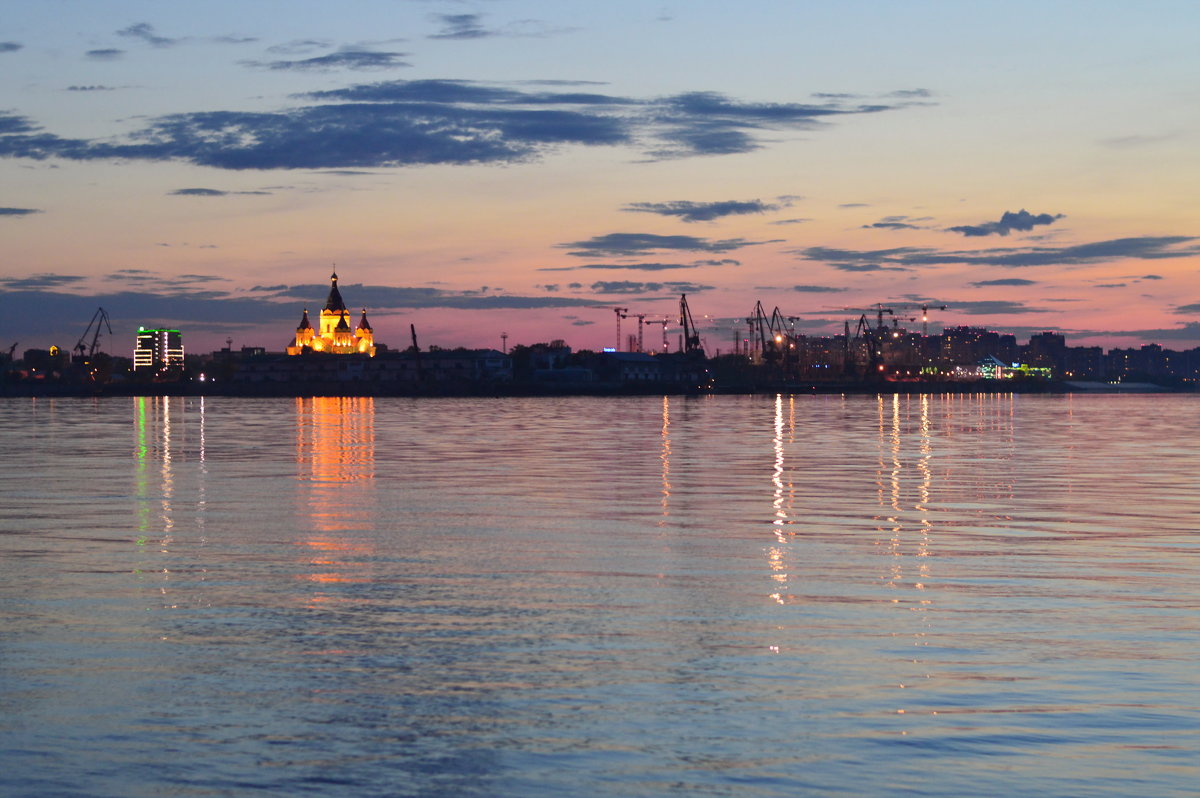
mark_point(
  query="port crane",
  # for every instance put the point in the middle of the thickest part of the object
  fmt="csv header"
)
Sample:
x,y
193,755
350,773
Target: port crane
x,y
84,350
691,337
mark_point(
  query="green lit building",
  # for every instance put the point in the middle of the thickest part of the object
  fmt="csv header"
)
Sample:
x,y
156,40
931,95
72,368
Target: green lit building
x,y
158,351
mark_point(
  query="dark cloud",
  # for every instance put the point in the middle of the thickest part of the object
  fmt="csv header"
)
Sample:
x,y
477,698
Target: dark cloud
x,y
867,267
1016,281
460,26
401,123
1022,220
854,205
709,123
989,307
893,223
38,282
646,267
90,88
1190,309
18,211
1140,248
1151,277
300,46
1190,331
36,309
701,211
342,59
108,54
1112,285
627,287
790,221
625,244
213,192
199,192
817,289
10,47
145,32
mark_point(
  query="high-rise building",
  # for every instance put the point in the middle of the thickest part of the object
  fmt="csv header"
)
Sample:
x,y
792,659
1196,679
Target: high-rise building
x,y
158,350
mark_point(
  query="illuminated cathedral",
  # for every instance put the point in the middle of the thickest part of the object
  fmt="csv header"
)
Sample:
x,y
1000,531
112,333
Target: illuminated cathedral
x,y
335,334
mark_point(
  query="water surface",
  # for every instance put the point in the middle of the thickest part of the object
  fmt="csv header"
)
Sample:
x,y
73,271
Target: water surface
x,y
759,596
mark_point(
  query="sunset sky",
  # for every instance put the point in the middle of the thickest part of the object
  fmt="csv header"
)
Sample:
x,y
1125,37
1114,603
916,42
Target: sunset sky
x,y
516,166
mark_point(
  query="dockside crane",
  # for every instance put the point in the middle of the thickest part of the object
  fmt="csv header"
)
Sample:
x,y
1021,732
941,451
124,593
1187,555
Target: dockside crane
x,y
691,338
416,352
84,350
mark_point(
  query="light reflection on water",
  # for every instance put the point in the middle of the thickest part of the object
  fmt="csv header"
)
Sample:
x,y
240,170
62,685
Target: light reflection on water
x,y
726,595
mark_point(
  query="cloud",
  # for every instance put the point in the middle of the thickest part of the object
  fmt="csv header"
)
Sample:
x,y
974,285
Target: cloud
x,y
1022,220
625,244
300,46
107,54
403,123
145,32
1112,285
10,47
818,289
701,211
790,221
90,88
469,26
34,307
460,26
646,267
1137,248
37,282
893,223
213,192
1126,142
989,307
1016,281
18,211
342,59
627,287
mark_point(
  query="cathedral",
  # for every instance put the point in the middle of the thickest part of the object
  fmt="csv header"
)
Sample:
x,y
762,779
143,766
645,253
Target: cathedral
x,y
335,334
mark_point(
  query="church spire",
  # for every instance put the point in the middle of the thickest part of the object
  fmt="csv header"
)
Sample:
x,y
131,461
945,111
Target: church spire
x,y
304,323
334,301
363,324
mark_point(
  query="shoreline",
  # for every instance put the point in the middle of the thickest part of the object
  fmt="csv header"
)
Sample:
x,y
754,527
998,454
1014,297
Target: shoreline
x,y
303,390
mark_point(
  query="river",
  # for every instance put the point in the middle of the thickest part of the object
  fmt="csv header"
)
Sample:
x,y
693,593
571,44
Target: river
x,y
733,595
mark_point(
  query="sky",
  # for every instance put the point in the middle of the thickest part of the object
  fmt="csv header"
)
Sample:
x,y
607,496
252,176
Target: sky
x,y
520,168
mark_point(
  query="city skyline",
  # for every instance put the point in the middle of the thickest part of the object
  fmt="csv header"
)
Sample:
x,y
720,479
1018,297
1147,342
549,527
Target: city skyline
x,y
524,167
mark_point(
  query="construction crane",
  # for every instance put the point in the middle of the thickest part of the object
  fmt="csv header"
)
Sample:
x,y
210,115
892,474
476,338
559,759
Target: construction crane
x,y
12,349
641,317
664,323
98,318
621,314
691,338
924,306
